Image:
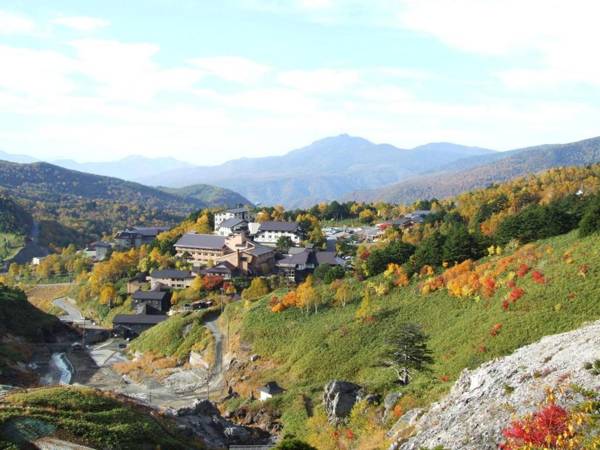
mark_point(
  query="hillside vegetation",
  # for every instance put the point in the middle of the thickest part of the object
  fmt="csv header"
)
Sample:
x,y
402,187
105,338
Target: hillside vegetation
x,y
77,207
85,416
213,196
464,330
481,171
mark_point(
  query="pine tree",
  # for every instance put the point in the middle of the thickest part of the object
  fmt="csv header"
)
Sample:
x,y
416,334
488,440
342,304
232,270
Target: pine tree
x,y
408,352
590,222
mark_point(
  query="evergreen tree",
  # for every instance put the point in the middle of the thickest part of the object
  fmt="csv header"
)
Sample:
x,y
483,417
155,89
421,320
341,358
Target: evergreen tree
x,y
460,245
408,352
590,222
429,252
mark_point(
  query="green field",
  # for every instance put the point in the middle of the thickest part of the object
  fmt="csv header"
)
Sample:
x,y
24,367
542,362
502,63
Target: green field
x,y
311,349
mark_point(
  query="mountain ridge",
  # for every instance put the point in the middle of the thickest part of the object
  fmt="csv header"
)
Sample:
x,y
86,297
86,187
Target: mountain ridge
x,y
481,171
324,170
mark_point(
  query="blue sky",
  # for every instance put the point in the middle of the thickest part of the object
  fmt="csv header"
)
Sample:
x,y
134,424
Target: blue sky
x,y
208,81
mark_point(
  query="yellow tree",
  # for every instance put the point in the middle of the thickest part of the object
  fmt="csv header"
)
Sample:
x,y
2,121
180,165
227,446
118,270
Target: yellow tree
x,y
107,295
263,216
307,295
343,294
278,212
258,288
366,309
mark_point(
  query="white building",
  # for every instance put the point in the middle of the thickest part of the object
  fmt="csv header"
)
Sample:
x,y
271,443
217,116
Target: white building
x,y
235,213
270,232
232,226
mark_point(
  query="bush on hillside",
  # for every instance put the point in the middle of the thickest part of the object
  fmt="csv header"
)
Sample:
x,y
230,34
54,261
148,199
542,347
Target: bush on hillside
x,y
590,222
461,245
397,252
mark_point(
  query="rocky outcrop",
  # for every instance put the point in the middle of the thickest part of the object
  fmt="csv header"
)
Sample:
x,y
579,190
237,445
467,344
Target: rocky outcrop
x,y
204,420
485,400
339,398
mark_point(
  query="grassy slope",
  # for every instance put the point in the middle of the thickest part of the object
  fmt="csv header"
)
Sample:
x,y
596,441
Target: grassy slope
x,y
311,350
10,244
177,336
89,417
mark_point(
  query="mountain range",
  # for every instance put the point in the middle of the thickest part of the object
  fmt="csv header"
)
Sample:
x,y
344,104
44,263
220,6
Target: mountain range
x,y
341,167
324,170
481,171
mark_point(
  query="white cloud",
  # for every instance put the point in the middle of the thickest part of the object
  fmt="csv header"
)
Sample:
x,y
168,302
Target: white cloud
x,y
127,71
81,23
319,81
232,68
33,72
11,23
559,38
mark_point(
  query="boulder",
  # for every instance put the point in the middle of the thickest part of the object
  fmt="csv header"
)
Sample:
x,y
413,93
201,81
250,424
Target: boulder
x,y
339,398
254,357
483,401
389,402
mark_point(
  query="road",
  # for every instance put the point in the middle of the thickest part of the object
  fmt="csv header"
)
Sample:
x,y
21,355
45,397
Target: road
x,y
94,368
73,314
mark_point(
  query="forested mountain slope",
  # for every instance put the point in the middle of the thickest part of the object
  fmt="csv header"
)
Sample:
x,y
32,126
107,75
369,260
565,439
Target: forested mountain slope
x,y
480,171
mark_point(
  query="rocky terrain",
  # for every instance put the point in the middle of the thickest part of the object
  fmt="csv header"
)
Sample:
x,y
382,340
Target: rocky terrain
x,y
484,401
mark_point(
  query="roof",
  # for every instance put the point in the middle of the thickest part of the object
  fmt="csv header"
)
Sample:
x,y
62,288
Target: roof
x,y
235,210
100,244
172,273
139,319
209,241
271,388
259,250
327,258
291,227
224,267
230,223
149,295
296,259
149,231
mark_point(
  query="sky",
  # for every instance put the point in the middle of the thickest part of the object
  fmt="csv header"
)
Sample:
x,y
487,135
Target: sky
x,y
207,81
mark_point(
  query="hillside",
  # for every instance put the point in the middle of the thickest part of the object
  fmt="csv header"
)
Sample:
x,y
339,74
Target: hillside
x,y
77,207
87,417
21,325
15,225
480,171
326,169
560,361
209,195
464,331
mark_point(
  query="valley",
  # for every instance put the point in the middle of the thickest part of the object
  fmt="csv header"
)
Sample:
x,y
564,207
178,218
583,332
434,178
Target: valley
x,y
241,343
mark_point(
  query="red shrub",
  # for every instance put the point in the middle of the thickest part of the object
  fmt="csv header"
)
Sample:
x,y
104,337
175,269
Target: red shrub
x,y
210,282
511,284
505,305
496,329
516,294
538,277
522,270
541,429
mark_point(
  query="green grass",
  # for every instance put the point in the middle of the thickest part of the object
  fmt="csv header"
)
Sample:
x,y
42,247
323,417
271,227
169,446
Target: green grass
x,y
89,417
309,350
10,244
177,336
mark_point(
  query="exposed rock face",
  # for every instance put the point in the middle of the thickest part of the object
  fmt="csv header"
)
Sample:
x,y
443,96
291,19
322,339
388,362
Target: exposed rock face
x,y
339,397
484,401
204,420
